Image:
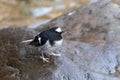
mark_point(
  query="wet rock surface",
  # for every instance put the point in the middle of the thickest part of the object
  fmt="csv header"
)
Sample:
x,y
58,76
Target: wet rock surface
x,y
90,50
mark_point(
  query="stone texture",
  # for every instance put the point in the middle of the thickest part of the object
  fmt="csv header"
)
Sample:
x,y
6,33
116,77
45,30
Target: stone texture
x,y
90,50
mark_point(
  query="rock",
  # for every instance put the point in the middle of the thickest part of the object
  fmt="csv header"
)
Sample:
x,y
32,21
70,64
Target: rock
x,y
9,73
21,56
90,50
91,32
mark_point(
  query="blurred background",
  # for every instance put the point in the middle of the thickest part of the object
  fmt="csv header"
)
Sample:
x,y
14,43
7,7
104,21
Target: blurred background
x,y
26,12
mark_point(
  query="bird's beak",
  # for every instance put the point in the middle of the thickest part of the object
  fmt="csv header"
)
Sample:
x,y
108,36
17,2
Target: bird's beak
x,y
62,32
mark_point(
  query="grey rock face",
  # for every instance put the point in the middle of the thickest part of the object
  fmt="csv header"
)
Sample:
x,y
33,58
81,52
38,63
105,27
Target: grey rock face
x,y
90,50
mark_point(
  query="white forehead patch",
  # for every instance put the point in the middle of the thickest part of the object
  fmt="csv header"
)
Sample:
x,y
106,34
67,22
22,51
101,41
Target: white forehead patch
x,y
58,29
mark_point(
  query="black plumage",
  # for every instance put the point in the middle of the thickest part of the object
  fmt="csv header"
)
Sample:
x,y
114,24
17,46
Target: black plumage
x,y
50,35
47,39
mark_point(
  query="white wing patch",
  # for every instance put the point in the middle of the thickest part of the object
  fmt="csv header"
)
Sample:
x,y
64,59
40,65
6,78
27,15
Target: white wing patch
x,y
59,42
39,39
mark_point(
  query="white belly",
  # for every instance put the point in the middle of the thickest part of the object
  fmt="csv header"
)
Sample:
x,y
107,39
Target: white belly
x,y
59,42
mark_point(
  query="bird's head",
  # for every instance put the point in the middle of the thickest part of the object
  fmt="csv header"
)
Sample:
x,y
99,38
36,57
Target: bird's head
x,y
57,29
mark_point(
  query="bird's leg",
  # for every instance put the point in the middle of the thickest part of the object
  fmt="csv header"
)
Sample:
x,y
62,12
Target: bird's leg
x,y
43,58
53,54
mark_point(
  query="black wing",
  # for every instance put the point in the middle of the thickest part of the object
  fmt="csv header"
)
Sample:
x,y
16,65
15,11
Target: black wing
x,y
35,42
51,42
43,41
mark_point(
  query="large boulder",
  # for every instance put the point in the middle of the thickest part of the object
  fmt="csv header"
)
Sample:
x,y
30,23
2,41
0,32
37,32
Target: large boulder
x,y
90,50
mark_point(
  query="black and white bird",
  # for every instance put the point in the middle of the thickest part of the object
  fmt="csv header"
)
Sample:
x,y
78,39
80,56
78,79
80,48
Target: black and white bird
x,y
47,39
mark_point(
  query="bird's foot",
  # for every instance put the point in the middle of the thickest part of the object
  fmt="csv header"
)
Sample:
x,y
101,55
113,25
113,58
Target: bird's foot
x,y
44,59
53,54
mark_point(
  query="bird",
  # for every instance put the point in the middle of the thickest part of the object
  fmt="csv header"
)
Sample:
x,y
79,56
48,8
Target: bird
x,y
47,40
